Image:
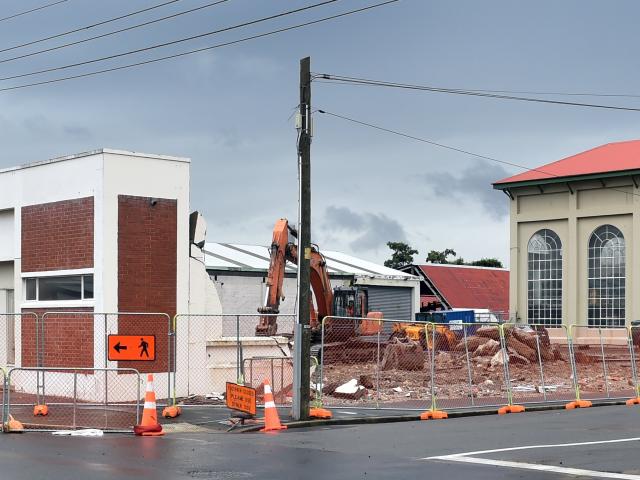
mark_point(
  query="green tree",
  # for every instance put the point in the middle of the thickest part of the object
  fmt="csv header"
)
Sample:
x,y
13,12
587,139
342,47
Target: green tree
x,y
487,262
435,256
402,255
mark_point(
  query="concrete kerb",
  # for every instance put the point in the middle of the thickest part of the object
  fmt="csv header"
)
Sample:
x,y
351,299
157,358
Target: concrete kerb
x,y
412,418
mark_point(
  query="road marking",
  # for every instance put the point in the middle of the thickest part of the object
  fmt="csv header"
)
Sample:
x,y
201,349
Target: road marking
x,y
531,447
348,413
544,468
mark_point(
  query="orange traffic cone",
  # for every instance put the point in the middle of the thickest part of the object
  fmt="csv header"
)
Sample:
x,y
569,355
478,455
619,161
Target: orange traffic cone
x,y
271,418
149,426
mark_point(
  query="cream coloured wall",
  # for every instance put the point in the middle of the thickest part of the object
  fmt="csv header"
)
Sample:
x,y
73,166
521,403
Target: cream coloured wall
x,y
574,217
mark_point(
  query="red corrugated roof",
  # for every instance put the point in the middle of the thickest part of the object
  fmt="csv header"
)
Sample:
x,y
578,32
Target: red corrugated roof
x,y
612,157
471,287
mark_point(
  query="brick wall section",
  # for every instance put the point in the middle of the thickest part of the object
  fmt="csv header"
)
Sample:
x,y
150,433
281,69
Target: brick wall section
x,y
147,271
68,339
58,235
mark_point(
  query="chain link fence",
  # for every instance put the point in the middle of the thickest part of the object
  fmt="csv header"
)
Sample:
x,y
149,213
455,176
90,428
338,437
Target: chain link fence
x,y
540,364
603,362
75,398
373,363
212,350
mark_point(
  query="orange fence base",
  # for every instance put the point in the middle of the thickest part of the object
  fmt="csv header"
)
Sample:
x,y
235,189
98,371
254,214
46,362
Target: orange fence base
x,y
433,415
40,410
633,401
317,412
510,409
171,412
578,404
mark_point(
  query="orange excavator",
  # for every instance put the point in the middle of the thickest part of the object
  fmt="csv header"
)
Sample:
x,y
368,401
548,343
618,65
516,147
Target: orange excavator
x,y
350,302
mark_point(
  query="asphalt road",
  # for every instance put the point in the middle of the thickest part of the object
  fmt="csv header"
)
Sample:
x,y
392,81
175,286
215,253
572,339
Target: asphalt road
x,y
398,451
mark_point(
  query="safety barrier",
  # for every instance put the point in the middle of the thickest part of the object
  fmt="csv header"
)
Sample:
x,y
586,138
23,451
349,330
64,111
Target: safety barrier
x,y
74,398
539,362
279,371
211,351
603,359
468,365
80,339
13,327
373,364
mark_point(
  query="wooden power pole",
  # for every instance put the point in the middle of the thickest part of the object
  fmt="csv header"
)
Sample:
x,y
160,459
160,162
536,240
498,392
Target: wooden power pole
x,y
302,353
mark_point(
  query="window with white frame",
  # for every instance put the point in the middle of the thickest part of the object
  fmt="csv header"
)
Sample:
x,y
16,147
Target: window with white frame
x,y
544,285
60,288
607,274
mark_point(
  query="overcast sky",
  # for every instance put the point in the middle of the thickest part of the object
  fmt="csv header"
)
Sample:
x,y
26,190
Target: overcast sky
x,y
229,109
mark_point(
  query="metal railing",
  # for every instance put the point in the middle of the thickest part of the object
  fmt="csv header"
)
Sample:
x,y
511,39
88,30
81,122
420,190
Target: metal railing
x,y
75,399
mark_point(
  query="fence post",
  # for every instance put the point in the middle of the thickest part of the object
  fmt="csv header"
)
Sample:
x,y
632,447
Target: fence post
x,y
604,364
577,403
634,370
544,389
469,373
510,407
378,366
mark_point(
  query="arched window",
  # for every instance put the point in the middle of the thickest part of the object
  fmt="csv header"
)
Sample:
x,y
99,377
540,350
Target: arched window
x,y
607,262
544,285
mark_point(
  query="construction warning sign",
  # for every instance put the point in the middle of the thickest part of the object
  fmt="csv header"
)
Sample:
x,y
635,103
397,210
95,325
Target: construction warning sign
x,y
132,347
241,398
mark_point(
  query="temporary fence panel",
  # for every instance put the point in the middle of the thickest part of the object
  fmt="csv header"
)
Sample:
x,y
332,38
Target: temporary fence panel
x,y
634,349
150,343
539,363
211,350
468,365
603,362
3,378
20,336
279,371
75,398
373,363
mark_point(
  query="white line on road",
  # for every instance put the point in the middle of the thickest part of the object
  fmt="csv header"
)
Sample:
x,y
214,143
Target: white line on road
x,y
544,468
347,413
530,447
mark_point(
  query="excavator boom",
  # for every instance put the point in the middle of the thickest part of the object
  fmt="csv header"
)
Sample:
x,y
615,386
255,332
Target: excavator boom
x,y
283,250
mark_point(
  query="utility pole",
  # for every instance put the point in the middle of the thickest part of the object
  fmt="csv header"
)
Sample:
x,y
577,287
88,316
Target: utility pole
x,y
302,339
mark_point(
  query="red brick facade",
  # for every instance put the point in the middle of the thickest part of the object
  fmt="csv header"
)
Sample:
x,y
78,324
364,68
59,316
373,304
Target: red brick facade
x,y
58,235
147,271
68,338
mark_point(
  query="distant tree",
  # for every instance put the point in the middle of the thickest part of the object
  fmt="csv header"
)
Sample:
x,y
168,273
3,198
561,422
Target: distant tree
x,y
487,262
402,255
435,256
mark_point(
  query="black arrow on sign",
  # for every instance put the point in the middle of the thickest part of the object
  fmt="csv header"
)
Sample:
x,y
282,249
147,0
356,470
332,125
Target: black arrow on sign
x,y
117,347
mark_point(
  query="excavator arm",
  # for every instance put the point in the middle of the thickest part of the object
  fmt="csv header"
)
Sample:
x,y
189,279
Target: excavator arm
x,y
282,250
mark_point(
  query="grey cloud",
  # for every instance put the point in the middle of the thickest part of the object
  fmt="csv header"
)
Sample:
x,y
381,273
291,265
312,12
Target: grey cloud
x,y
374,230
473,184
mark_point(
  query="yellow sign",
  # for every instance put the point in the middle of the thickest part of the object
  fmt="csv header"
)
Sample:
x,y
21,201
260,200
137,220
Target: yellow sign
x,y
241,398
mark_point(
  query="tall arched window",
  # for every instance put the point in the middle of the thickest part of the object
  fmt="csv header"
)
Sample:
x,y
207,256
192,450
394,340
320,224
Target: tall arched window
x,y
607,262
544,283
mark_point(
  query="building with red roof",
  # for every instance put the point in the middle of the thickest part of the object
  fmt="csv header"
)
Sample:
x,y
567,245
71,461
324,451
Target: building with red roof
x,y
575,230
461,286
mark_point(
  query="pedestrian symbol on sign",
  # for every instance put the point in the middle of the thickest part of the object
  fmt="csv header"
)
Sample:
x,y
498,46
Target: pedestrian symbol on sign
x,y
143,346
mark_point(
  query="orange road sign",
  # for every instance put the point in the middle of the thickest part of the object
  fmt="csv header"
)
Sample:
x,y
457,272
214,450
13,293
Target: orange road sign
x,y
241,398
132,347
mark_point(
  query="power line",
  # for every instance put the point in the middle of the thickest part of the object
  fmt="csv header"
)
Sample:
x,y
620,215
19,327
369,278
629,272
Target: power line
x,y
108,34
42,7
87,27
166,44
449,147
182,54
379,83
520,92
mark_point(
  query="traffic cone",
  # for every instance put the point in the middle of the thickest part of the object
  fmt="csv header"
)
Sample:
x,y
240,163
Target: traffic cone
x,y
271,418
149,426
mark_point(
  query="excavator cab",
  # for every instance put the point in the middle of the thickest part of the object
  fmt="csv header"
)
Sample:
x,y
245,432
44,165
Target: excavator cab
x,y
350,302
